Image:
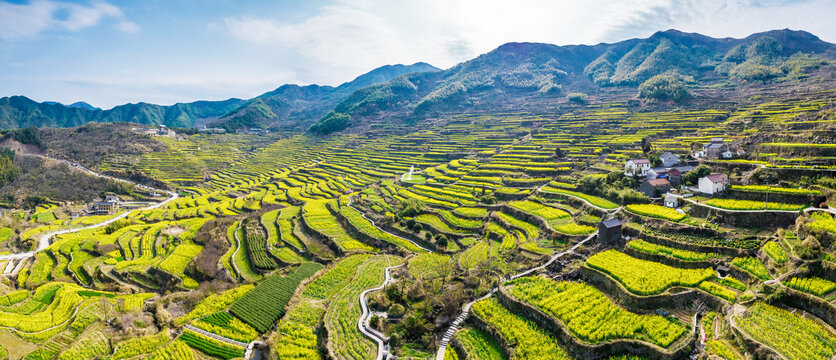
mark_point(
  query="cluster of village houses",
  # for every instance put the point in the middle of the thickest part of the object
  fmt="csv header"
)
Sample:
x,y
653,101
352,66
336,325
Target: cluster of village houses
x,y
660,180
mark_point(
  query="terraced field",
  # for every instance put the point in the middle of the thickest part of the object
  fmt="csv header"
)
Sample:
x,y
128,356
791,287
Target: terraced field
x,y
276,237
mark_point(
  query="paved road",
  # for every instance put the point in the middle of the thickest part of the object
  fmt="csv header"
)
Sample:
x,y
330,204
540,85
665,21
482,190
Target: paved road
x,y
238,245
555,257
828,210
350,200
43,242
451,331
754,211
540,189
363,322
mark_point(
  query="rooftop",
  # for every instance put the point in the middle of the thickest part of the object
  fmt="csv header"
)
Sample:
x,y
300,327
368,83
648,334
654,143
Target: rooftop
x,y
659,182
640,161
715,178
611,223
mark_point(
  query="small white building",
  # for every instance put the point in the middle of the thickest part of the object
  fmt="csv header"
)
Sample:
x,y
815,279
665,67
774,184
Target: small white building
x,y
655,173
636,167
671,201
669,159
713,184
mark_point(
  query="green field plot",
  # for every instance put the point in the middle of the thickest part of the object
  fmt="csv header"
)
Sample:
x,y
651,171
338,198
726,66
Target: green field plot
x,y
645,277
732,204
318,217
530,341
793,336
590,315
265,304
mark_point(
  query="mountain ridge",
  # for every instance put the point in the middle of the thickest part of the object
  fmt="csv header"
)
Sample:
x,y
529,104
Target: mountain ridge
x,y
547,70
18,111
513,71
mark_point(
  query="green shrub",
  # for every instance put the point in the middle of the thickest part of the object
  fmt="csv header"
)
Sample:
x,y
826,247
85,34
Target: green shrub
x,y
663,88
575,97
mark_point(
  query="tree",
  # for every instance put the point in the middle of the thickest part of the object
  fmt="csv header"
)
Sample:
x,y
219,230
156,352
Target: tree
x,y
8,170
441,240
646,145
576,97
396,310
655,161
411,207
693,176
558,152
663,88
333,121
28,136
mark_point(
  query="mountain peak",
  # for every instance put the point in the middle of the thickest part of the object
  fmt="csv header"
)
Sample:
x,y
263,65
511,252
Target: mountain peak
x,y
83,105
386,73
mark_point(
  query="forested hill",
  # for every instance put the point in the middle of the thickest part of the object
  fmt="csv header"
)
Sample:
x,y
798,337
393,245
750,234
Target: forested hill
x,y
516,75
274,106
297,107
21,112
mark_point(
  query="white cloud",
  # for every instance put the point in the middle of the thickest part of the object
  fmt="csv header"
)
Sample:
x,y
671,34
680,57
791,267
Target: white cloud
x,y
107,91
28,20
127,27
361,34
338,35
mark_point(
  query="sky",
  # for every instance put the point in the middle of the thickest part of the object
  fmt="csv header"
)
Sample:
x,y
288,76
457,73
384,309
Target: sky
x,y
166,51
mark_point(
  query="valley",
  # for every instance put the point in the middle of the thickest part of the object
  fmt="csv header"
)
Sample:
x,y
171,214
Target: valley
x,y
619,203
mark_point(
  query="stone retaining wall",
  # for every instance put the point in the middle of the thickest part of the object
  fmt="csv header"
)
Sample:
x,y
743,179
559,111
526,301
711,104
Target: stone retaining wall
x,y
671,261
582,350
759,220
672,298
363,237
338,251
722,250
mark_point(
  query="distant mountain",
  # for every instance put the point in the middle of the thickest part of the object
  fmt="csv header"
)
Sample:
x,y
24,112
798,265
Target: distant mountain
x,y
78,104
510,77
303,103
20,112
515,72
83,105
297,107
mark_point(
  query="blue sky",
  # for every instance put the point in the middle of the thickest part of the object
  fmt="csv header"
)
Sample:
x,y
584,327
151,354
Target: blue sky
x,y
113,52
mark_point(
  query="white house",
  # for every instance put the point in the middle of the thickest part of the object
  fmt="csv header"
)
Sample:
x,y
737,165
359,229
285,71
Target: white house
x,y
636,167
654,173
671,200
713,184
669,159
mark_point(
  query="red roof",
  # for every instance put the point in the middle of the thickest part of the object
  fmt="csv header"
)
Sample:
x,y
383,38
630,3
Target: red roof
x,y
659,182
715,178
640,161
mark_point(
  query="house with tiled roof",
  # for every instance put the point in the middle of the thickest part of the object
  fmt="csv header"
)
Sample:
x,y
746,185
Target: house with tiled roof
x,y
655,187
669,159
713,184
634,167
